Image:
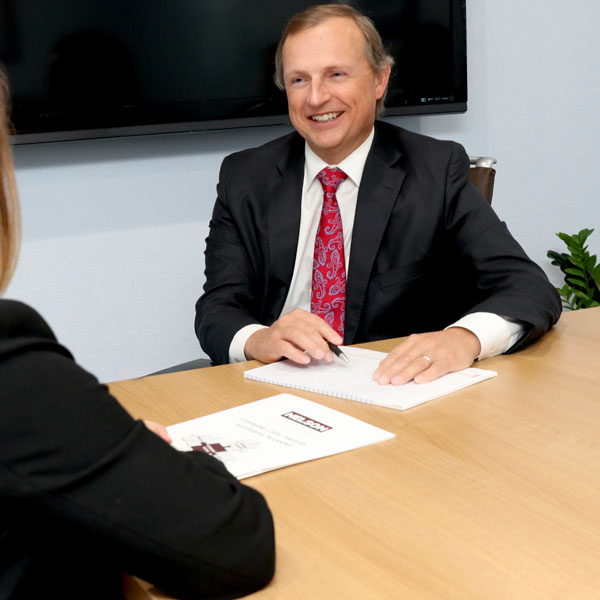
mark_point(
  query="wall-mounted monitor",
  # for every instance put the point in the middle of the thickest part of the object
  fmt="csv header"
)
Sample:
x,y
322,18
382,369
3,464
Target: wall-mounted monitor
x,y
100,68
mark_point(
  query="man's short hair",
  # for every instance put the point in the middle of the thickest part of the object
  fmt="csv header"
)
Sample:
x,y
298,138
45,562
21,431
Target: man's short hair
x,y
317,14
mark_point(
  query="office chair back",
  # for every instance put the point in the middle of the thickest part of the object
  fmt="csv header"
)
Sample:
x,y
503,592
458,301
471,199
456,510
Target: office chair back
x,y
482,175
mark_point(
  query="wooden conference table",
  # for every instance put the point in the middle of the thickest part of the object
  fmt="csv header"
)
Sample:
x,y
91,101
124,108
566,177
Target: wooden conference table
x,y
492,492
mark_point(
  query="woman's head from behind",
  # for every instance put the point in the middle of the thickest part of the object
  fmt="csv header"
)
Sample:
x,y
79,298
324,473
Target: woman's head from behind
x,y
9,207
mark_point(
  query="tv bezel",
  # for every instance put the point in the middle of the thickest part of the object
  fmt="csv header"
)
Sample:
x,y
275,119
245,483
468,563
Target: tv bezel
x,y
197,126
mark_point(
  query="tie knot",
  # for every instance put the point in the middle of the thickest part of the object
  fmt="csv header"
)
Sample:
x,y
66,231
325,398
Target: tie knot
x,y
331,178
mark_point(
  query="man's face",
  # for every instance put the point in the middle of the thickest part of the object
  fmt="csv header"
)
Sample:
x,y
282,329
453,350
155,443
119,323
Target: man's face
x,y
331,88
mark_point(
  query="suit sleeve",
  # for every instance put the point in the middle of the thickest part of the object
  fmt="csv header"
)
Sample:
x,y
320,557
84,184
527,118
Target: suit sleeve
x,y
87,483
506,281
235,269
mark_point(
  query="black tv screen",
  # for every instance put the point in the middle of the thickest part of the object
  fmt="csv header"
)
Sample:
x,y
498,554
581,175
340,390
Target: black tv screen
x,y
99,68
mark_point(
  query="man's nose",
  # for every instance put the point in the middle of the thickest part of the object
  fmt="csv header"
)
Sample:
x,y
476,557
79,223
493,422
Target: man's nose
x,y
319,93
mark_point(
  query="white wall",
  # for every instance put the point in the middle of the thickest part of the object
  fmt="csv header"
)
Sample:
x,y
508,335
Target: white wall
x,y
114,229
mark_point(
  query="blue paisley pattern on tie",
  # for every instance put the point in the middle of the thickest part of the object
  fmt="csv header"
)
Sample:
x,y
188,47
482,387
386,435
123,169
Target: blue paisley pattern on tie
x,y
328,298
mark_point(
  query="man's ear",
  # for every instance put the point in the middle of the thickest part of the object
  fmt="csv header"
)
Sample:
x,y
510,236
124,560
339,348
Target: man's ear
x,y
381,81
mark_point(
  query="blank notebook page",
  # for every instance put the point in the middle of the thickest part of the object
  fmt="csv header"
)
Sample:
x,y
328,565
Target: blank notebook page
x,y
354,380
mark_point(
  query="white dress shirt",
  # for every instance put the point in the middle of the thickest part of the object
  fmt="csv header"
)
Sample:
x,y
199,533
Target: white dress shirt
x,y
496,334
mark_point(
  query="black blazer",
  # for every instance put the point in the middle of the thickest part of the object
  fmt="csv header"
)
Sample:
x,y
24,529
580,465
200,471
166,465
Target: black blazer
x,y
426,247
87,492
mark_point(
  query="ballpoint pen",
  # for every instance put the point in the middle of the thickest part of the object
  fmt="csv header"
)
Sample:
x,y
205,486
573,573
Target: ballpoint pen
x,y
337,352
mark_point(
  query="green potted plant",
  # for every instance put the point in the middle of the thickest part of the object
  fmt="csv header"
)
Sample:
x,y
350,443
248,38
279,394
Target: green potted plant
x,y
582,274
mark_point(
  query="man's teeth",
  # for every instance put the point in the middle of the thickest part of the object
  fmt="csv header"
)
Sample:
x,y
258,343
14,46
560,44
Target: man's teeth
x,y
326,117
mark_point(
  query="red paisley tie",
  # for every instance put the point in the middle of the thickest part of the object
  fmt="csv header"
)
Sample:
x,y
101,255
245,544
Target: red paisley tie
x,y
329,266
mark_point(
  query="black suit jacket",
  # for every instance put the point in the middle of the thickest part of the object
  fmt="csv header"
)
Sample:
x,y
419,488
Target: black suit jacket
x,y
426,247
87,492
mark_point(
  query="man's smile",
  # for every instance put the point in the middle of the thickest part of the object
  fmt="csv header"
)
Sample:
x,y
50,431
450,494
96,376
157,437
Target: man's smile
x,y
326,117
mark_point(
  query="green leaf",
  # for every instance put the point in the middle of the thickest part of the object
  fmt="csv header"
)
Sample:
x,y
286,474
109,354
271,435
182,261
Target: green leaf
x,y
582,296
559,259
590,263
579,272
565,292
583,235
577,282
577,262
567,239
568,300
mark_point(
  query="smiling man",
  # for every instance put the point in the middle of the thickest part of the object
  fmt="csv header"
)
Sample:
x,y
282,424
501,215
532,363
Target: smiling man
x,y
351,229
332,90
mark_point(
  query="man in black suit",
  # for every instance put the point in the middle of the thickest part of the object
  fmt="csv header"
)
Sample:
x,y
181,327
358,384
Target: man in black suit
x,y
423,252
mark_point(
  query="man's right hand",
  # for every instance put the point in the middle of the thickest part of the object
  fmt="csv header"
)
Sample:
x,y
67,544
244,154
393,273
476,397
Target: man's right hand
x,y
297,335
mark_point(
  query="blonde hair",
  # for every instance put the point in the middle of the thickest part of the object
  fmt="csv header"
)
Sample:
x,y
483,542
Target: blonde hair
x,y
10,216
317,14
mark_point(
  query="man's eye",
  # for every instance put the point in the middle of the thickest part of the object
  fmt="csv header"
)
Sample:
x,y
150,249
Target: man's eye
x,y
337,74
297,80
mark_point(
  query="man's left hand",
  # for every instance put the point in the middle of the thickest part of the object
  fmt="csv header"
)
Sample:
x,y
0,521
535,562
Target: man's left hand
x,y
423,357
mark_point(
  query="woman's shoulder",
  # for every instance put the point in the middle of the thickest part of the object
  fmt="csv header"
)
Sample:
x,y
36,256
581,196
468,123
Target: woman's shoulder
x,y
22,328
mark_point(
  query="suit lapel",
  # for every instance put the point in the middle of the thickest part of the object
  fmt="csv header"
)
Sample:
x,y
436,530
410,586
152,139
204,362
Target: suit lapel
x,y
283,218
380,186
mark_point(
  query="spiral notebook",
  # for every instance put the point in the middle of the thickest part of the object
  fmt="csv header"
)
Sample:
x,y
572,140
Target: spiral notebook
x,y
354,380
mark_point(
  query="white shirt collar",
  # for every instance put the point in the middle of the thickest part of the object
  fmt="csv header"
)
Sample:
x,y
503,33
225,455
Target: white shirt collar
x,y
353,165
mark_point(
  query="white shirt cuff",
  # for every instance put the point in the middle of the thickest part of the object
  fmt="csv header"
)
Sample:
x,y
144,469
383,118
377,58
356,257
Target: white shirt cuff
x,y
238,343
496,334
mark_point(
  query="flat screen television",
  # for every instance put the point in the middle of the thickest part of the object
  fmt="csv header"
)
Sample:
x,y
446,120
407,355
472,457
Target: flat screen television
x,y
100,68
